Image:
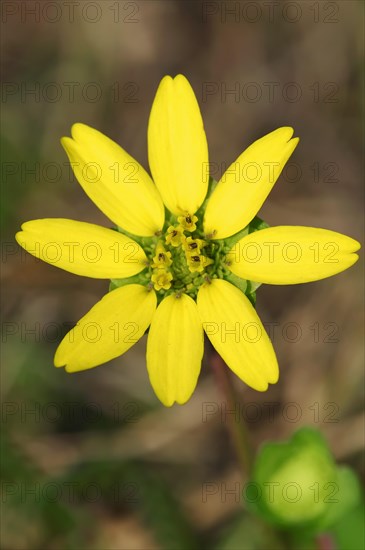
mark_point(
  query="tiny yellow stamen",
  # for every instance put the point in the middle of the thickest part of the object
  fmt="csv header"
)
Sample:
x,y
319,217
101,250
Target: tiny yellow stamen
x,y
175,235
188,222
161,279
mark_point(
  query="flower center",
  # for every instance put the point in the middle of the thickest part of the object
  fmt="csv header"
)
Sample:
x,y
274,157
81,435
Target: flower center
x,y
182,260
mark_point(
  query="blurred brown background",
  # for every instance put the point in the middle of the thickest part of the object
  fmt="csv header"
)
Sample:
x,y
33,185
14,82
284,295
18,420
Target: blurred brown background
x,y
254,66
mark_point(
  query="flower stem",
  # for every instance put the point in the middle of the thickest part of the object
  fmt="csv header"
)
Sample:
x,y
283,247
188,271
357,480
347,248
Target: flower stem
x,y
325,542
241,440
236,426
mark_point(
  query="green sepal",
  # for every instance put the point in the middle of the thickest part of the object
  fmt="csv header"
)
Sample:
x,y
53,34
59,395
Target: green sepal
x,y
251,296
241,284
251,288
139,279
144,242
212,184
346,499
247,287
255,225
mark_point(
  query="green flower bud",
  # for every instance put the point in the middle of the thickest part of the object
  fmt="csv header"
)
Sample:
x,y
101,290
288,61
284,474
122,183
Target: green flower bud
x,y
297,483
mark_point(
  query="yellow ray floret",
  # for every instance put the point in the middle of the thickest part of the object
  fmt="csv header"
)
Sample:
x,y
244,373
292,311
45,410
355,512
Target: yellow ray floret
x,y
177,146
110,328
175,349
82,248
235,330
114,181
287,255
245,185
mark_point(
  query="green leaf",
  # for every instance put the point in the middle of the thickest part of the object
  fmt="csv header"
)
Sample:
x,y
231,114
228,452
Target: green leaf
x,y
249,533
349,530
346,497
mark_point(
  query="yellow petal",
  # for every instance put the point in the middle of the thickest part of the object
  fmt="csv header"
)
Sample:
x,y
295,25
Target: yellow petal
x,y
82,248
235,330
287,255
244,187
109,329
114,181
175,349
177,146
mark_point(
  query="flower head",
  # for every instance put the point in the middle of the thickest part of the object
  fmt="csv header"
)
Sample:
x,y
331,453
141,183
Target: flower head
x,y
184,252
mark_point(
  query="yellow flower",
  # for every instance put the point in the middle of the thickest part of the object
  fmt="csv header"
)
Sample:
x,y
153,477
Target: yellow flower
x,y
180,273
